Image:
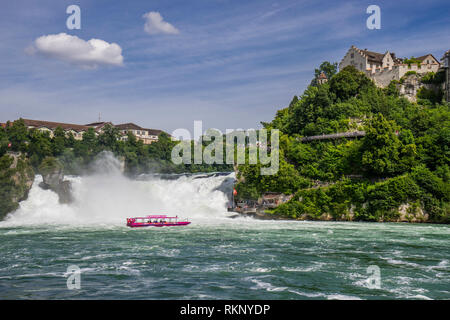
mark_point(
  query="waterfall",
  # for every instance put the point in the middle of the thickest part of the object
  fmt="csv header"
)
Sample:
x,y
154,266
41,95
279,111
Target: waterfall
x,y
107,196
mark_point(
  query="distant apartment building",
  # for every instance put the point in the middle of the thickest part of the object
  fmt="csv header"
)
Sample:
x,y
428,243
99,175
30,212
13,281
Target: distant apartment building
x,y
48,126
147,136
385,67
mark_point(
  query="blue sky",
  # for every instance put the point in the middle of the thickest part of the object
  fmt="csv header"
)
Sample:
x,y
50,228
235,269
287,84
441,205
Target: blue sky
x,y
228,63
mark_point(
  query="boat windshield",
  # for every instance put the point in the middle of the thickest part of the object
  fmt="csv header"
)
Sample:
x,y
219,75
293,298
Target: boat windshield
x,y
157,220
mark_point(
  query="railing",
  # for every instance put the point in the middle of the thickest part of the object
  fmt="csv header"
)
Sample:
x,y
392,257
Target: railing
x,y
353,134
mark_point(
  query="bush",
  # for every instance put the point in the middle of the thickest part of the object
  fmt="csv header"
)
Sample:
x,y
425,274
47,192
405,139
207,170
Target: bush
x,y
50,165
434,96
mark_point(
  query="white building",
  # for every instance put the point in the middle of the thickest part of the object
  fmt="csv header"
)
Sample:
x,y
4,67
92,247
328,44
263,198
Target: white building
x,y
385,67
147,136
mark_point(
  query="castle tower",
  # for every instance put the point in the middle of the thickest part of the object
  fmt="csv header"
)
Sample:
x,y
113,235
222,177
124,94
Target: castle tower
x,y
322,78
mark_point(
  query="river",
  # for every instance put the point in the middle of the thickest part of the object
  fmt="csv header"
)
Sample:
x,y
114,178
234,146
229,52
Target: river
x,y
215,257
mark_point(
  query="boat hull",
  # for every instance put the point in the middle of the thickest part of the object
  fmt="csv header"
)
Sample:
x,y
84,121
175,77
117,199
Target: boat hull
x,y
158,225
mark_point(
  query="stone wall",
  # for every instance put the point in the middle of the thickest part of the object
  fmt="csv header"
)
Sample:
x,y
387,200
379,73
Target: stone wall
x,y
422,69
382,77
358,60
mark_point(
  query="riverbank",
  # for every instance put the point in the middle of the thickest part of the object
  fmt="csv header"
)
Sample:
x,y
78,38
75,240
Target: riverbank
x,y
265,215
406,214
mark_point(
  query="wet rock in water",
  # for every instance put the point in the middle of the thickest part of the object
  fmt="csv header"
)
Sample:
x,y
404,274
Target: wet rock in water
x,y
53,179
65,192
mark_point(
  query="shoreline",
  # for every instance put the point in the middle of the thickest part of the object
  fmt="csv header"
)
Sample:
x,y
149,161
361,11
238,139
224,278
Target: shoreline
x,y
267,216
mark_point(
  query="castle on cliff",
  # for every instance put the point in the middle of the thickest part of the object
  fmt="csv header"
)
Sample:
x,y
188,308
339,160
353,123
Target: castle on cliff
x,y
382,68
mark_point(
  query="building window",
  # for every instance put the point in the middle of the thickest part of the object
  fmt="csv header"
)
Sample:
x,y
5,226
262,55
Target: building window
x,y
352,55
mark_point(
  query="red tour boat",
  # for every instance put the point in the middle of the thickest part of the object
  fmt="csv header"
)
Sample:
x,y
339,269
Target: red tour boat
x,y
156,221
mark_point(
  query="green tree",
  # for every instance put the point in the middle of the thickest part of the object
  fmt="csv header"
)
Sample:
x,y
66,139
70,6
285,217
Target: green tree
x,y
88,147
349,83
50,165
3,141
330,69
58,141
108,138
380,147
17,134
40,146
411,61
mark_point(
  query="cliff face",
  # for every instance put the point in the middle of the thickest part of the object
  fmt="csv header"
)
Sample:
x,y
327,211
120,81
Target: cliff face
x,y
410,85
16,179
53,179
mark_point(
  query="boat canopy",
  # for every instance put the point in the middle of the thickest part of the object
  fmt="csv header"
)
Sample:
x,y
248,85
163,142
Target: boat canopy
x,y
156,217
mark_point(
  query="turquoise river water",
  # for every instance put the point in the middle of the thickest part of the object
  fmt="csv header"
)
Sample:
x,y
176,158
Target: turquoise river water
x,y
213,258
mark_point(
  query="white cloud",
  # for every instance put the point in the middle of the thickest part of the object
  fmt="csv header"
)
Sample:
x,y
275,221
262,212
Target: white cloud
x,y
87,54
155,24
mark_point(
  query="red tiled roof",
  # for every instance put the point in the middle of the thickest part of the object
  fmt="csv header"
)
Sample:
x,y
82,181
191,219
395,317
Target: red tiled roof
x,y
76,127
128,126
422,58
97,124
322,75
373,56
54,125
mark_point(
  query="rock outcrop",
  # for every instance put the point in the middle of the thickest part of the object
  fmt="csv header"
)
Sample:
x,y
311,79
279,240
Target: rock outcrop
x,y
53,179
16,179
410,85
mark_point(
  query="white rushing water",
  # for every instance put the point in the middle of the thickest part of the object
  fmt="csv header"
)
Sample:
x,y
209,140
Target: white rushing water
x,y
106,196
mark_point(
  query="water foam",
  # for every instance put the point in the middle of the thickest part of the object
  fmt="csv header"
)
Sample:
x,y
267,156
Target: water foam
x,y
107,196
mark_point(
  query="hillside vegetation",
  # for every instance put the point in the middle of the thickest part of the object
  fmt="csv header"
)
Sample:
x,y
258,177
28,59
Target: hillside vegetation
x,y
399,171
75,156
